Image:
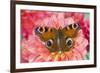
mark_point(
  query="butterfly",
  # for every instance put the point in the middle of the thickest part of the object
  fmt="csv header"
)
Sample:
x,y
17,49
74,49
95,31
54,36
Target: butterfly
x,y
56,40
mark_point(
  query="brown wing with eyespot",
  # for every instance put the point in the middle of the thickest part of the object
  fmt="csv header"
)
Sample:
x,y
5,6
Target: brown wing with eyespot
x,y
49,36
68,34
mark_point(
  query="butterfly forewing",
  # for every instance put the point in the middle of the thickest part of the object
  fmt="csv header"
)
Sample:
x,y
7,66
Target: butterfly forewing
x,y
49,36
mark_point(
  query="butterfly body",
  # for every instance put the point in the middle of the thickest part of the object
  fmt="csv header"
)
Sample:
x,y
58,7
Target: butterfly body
x,y
58,40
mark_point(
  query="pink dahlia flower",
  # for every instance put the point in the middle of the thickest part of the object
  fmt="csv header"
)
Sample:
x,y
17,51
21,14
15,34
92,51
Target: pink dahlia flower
x,y
32,48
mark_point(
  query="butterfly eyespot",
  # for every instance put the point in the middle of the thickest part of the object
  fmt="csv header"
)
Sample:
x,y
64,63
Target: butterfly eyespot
x,y
69,42
49,43
41,29
46,29
75,26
